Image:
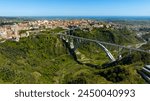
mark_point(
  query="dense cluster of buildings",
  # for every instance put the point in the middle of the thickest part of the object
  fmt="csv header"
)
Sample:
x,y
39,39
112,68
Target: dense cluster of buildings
x,y
8,31
12,31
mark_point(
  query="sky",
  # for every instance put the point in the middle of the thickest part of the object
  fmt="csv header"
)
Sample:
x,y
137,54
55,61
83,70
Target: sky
x,y
74,7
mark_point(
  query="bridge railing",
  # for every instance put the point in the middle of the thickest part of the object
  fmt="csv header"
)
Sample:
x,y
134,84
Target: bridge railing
x,y
105,43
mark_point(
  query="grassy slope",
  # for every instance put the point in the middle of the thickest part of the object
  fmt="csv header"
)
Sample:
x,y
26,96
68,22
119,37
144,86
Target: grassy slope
x,y
119,36
44,59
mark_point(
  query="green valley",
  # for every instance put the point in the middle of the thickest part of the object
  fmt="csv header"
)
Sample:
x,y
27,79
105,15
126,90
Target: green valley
x,y
44,58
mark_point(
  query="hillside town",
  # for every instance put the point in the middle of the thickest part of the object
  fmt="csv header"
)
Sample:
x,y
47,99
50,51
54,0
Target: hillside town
x,y
11,32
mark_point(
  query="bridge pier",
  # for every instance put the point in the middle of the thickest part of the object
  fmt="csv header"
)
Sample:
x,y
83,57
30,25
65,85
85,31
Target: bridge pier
x,y
120,49
74,47
77,44
75,41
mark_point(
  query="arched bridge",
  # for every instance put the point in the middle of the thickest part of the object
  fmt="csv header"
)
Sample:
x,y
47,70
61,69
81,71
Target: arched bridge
x,y
68,38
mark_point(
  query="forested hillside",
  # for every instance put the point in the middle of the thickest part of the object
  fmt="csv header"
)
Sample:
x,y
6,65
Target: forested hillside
x,y
44,58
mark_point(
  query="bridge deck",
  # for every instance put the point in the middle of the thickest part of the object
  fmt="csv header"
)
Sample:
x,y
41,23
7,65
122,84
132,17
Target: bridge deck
x,y
111,44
